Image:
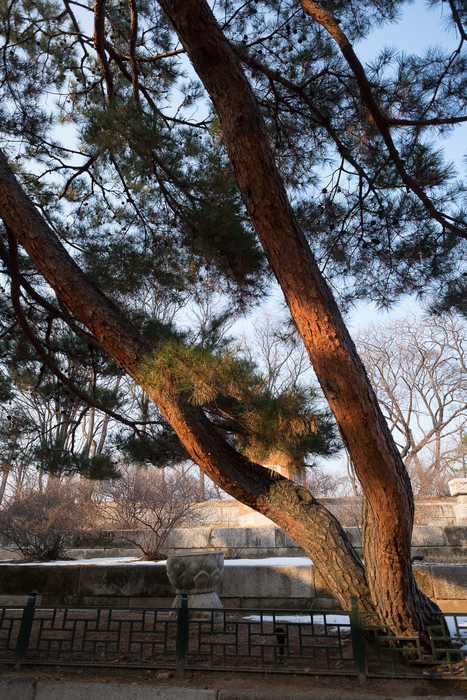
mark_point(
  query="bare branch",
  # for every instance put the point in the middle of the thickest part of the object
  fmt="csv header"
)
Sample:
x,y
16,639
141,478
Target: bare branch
x,y
436,121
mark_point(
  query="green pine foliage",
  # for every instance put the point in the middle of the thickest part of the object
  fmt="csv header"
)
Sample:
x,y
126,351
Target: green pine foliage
x,y
144,193
161,449
128,166
288,429
42,418
195,372
284,427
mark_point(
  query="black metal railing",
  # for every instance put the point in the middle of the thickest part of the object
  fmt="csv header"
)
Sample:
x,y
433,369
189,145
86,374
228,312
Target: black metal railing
x,y
446,655
287,641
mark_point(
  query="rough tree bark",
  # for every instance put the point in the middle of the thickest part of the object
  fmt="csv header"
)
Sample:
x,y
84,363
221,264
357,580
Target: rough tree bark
x,y
388,515
389,585
292,507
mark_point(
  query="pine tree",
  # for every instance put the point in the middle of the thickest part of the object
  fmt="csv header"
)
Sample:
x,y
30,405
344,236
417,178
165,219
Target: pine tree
x,y
307,160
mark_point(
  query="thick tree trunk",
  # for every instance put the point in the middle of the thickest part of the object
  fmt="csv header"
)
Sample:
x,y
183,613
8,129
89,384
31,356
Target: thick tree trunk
x,y
340,372
289,505
293,508
381,472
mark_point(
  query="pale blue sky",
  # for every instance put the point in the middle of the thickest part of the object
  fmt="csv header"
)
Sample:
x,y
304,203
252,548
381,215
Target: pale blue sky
x,y
419,28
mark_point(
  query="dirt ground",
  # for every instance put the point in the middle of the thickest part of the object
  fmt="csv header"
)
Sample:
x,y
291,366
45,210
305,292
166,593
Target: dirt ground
x,y
217,680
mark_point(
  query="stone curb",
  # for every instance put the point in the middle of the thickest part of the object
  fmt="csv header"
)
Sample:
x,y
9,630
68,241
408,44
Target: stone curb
x,y
336,695
26,688
59,690
13,688
294,695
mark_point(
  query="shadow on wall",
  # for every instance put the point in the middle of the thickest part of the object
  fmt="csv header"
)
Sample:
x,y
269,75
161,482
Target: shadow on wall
x,y
262,584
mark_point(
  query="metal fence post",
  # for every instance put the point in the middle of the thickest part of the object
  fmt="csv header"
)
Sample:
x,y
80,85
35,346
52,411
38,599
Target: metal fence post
x,y
358,641
25,630
182,637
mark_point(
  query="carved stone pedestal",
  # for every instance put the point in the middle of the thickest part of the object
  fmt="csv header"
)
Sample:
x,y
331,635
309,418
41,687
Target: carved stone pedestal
x,y
196,574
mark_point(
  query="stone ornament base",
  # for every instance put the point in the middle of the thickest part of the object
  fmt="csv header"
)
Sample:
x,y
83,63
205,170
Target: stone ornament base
x,y
197,601
196,574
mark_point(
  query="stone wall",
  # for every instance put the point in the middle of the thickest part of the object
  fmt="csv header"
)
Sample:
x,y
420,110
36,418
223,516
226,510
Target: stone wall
x,y
435,535
225,513
437,544
245,585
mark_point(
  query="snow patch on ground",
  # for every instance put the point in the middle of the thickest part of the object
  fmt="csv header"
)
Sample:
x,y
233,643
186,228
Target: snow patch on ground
x,y
331,619
104,561
125,561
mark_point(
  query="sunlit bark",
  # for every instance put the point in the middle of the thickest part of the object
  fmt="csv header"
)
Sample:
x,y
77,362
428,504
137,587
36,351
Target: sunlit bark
x,y
388,583
388,517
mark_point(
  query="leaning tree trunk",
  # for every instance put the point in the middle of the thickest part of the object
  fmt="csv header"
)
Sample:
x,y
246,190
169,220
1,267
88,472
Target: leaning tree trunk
x,y
387,527
292,507
340,372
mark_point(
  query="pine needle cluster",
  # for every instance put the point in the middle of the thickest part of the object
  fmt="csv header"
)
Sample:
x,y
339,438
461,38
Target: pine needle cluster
x,y
284,427
196,372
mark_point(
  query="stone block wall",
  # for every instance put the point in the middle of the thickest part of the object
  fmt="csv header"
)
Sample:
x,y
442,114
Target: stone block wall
x,y
244,585
437,544
230,513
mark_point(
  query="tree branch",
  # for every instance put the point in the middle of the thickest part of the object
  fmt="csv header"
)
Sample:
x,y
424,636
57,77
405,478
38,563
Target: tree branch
x,y
300,91
63,313
326,20
132,47
37,345
436,121
99,43
79,171
457,20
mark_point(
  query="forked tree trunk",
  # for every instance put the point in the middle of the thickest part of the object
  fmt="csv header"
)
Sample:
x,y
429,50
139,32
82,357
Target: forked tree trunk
x,y
388,521
293,508
389,512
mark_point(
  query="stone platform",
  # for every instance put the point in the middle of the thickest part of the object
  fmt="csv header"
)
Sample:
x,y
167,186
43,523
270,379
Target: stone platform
x,y
262,584
437,544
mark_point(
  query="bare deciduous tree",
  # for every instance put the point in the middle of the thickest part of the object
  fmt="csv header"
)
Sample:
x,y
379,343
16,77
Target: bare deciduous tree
x,y
326,484
418,368
146,504
276,348
41,525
